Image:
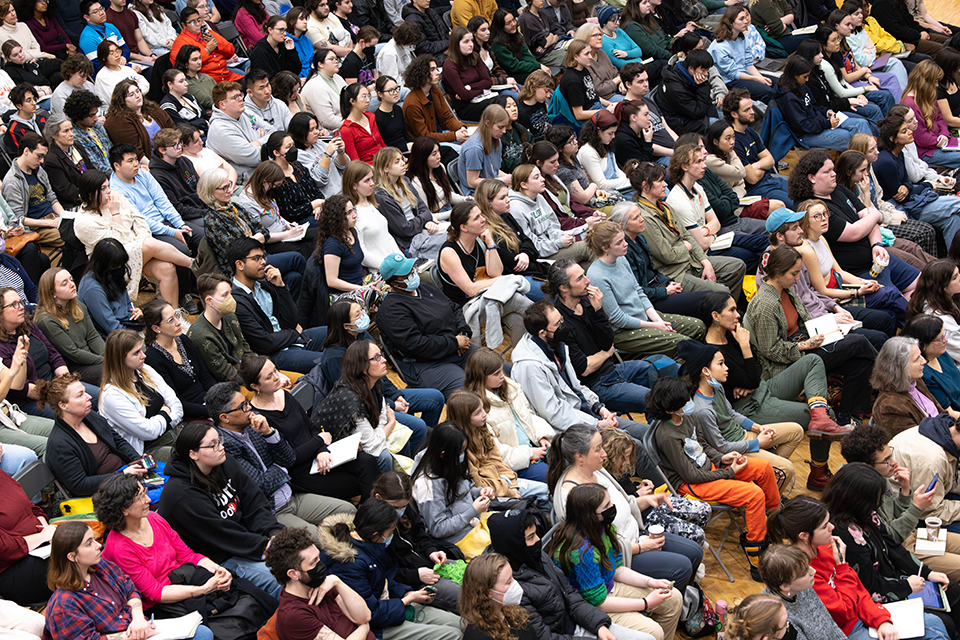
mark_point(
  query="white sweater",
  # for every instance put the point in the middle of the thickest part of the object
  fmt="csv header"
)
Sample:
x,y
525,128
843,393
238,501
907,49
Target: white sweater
x,y
375,238
156,33
594,167
320,100
128,416
24,37
502,423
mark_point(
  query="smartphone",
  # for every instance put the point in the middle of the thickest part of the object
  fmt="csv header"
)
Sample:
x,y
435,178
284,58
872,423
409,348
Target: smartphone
x,y
933,483
147,462
854,287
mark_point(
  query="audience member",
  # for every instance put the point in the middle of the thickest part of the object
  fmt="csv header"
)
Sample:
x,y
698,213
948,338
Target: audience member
x,y
940,372
23,576
360,64
430,180
296,20
178,179
113,69
133,120
65,162
435,34
179,103
425,110
98,30
257,199
760,165
275,51
396,56
361,138
325,162
251,18
297,197
68,325
236,136
127,24
321,92
104,288
83,108
31,198
26,119
202,157
389,114
216,332
77,72
466,76
155,27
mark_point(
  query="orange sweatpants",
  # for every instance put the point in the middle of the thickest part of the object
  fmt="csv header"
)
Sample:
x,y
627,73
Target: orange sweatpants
x,y
742,492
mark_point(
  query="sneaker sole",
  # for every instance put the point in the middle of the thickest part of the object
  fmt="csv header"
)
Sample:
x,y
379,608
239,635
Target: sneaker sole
x,y
829,435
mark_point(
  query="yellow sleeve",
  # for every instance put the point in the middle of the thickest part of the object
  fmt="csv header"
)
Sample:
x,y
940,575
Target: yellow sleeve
x,y
885,42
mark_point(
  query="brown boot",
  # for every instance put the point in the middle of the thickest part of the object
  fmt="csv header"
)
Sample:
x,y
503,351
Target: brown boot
x,y
821,424
820,475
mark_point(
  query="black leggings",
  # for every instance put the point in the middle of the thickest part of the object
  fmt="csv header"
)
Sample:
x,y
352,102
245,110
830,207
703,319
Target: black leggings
x,y
25,581
344,482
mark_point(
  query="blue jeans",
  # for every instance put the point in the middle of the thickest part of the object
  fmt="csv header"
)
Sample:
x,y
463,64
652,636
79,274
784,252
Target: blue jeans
x,y
882,98
15,457
933,629
758,90
255,572
291,265
678,560
535,293
203,633
621,389
772,186
302,359
943,214
945,157
839,138
536,471
427,402
385,461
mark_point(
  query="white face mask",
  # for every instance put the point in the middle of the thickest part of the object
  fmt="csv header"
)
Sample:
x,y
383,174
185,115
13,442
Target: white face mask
x,y
512,595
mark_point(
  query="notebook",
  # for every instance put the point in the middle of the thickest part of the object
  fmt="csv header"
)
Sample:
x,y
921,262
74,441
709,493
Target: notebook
x,y
907,617
827,326
343,450
177,628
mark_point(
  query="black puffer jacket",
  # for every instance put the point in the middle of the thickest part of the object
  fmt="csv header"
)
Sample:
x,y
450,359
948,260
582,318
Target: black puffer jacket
x,y
436,36
412,545
372,12
554,606
685,104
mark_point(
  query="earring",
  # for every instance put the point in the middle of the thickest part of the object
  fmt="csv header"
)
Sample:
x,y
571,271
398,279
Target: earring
x,y
788,594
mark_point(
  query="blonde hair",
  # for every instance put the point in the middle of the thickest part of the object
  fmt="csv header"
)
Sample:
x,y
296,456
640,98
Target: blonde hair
x,y
354,172
539,79
757,616
806,206
48,304
860,142
483,197
492,115
621,451
574,49
399,190
922,83
600,237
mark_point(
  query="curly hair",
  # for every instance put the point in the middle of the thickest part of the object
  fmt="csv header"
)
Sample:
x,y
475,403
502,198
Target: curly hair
x,y
80,103
418,73
284,84
476,607
118,105
283,553
51,392
863,443
116,493
621,451
77,63
333,222
931,291
798,184
590,133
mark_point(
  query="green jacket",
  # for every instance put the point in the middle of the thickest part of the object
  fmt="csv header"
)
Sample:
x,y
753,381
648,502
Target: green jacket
x,y
767,14
767,323
80,344
723,199
899,513
656,44
670,256
526,63
221,352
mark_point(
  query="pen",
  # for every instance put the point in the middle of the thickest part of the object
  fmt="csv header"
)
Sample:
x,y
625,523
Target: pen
x,y
151,621
920,569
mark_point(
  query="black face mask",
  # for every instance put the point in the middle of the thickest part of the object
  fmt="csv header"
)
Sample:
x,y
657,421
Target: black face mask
x,y
291,154
316,575
536,549
608,515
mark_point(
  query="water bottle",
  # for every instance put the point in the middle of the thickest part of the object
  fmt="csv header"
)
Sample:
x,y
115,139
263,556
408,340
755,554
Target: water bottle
x,y
721,609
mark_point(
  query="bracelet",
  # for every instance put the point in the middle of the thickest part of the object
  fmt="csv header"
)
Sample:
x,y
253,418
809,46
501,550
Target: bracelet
x,y
493,248
329,155
645,605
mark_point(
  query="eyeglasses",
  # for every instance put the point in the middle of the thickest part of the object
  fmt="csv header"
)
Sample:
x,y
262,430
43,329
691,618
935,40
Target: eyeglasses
x,y
178,145
942,339
192,23
245,406
889,461
820,216
378,358
96,9
238,97
257,258
227,187
394,91
216,446
175,319
16,304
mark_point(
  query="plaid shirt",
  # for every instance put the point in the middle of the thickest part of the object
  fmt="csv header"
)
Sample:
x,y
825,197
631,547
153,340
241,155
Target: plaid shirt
x,y
81,615
767,323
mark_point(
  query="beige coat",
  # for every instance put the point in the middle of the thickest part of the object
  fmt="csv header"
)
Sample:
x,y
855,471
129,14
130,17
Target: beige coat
x,y
500,422
925,458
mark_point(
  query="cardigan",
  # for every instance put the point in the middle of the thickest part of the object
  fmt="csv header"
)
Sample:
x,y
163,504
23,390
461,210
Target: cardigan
x,y
358,142
64,174
80,344
925,137
125,127
128,416
323,101
403,227
423,114
221,350
149,567
190,389
18,518
594,165
72,461
897,412
251,29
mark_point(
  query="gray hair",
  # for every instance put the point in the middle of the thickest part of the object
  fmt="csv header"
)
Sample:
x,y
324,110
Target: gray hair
x,y
620,211
576,440
220,396
891,366
52,128
209,181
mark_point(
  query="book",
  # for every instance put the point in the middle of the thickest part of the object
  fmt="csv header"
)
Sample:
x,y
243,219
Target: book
x,y
826,325
953,143
501,87
343,450
746,201
177,628
907,617
723,241
926,547
806,31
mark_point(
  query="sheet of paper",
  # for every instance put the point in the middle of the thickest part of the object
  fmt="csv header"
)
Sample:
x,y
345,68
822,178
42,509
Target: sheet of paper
x,y
343,450
907,617
723,241
42,552
825,325
806,31
177,628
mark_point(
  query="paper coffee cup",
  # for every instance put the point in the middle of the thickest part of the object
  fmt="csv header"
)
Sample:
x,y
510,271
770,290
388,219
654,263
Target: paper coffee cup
x,y
879,264
933,528
655,531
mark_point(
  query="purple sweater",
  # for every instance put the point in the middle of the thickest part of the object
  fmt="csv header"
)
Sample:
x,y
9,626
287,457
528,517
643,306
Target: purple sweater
x,y
52,37
38,342
818,305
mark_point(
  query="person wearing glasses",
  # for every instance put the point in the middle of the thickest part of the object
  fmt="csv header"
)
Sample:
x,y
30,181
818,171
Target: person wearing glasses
x,y
215,50
136,400
83,449
276,51
174,356
763,615
235,135
265,457
98,30
216,508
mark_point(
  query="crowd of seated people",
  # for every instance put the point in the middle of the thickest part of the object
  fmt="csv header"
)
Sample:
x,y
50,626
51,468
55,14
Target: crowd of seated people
x,y
505,218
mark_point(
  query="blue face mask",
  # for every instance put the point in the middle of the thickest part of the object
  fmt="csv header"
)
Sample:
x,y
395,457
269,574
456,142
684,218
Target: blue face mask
x,y
413,281
362,323
688,408
387,541
400,512
463,456
715,384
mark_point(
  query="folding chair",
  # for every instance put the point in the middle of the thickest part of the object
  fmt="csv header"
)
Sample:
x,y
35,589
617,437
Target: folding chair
x,y
229,31
33,477
303,393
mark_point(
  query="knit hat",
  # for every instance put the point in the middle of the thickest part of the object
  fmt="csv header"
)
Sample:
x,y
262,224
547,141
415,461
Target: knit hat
x,y
696,356
606,13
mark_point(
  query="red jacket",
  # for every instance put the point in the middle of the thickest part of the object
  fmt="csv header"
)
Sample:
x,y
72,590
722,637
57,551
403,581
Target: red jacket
x,y
843,594
360,144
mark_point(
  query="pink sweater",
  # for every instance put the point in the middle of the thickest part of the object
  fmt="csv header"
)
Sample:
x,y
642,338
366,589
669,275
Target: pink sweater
x,y
148,567
925,137
250,29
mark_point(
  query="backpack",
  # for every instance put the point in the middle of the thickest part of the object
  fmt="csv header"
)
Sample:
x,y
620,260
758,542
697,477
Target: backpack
x,y
699,618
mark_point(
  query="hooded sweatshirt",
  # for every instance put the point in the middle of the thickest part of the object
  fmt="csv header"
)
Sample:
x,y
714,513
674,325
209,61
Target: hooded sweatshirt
x,y
179,183
536,219
231,139
235,522
928,450
554,607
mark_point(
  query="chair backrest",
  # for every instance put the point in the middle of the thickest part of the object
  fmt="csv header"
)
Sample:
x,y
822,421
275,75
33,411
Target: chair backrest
x,y
33,477
454,174
229,31
174,18
303,392
160,66
269,630
387,349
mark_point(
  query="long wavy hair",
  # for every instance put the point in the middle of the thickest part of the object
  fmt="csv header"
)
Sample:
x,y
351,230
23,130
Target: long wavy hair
x,y
333,223
353,373
461,406
932,291
115,371
724,30
922,83
488,189
582,524
118,105
476,607
47,303
512,41
421,150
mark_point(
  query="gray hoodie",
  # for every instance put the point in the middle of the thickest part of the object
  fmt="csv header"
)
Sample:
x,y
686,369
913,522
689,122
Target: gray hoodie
x,y
231,139
276,114
16,191
538,221
549,394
